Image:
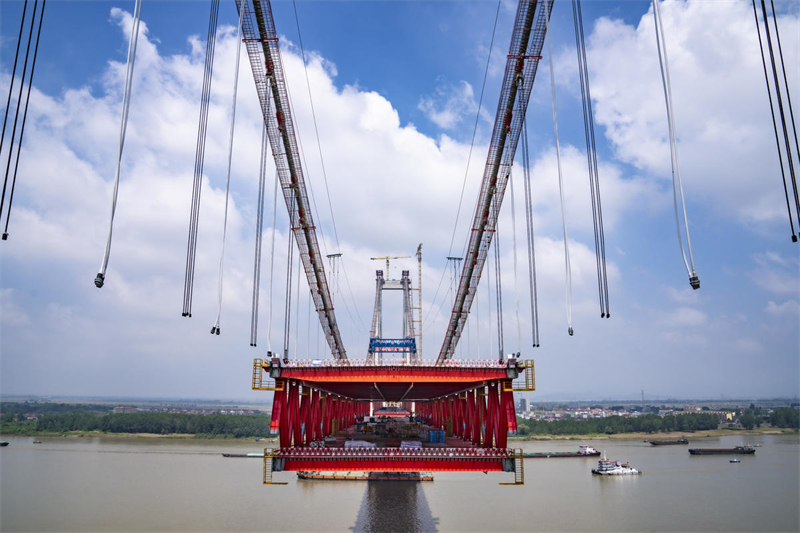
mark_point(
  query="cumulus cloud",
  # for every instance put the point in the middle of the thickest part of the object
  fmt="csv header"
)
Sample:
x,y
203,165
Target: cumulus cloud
x,y
789,307
450,105
725,135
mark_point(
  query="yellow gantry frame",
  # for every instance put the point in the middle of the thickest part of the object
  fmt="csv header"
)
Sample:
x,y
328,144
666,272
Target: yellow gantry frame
x,y
530,379
258,378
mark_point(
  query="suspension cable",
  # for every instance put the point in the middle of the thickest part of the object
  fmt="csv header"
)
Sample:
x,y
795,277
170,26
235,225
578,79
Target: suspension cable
x,y
19,99
591,156
514,245
262,174
297,310
215,328
324,173
499,294
24,118
288,310
272,260
780,104
126,102
197,182
774,122
661,44
567,264
13,74
530,234
469,157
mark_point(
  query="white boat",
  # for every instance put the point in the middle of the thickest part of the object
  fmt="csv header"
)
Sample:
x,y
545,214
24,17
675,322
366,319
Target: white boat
x,y
613,468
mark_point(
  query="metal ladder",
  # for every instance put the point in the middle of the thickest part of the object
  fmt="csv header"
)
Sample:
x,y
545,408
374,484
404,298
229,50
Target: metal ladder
x,y
267,475
519,468
258,369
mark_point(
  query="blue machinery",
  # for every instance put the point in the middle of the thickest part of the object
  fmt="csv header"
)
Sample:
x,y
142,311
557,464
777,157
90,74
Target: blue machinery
x,y
407,346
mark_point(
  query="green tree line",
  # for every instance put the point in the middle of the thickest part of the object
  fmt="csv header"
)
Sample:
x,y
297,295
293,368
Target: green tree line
x,y
617,424
158,423
785,418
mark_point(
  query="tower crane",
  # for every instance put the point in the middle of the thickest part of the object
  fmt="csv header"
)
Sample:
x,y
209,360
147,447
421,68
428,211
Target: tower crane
x,y
387,261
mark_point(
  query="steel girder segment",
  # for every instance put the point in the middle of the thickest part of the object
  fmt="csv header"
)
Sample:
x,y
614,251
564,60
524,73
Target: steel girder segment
x,y
261,41
523,60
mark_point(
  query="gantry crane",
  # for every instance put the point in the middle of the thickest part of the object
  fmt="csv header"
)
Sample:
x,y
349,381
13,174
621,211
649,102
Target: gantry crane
x,y
387,261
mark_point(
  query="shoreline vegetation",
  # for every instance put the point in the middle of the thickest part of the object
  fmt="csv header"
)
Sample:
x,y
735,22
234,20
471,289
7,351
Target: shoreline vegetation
x,y
89,421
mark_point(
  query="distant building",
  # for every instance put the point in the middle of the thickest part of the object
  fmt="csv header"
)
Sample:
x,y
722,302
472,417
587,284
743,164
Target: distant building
x,y
524,405
125,409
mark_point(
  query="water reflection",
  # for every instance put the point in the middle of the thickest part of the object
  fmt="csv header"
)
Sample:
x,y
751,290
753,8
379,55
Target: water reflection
x,y
394,506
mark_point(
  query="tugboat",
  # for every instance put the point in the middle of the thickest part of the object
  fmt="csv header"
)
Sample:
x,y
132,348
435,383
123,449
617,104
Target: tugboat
x,y
613,468
4,443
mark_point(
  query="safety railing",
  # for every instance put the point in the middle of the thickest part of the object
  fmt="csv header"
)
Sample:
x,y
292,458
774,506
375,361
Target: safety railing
x,y
450,363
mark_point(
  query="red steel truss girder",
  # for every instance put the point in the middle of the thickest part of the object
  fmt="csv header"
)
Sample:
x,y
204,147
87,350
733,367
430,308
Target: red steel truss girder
x,y
390,374
523,60
261,41
396,465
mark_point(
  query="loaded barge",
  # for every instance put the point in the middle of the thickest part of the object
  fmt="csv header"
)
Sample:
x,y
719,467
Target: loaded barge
x,y
743,450
668,442
583,451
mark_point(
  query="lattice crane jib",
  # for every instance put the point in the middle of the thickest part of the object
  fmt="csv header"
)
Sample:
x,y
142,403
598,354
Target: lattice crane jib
x,y
523,60
261,41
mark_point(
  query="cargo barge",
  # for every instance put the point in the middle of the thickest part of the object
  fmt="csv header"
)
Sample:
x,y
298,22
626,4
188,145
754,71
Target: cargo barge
x,y
583,451
743,450
668,442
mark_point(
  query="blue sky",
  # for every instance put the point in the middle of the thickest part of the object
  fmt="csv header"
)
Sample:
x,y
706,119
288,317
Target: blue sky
x,y
396,87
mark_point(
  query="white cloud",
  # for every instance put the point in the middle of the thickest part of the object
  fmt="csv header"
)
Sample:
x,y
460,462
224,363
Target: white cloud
x,y
789,307
450,105
684,316
722,115
776,274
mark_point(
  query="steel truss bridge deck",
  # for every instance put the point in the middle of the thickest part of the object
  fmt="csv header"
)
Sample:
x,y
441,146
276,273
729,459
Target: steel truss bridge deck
x,y
393,459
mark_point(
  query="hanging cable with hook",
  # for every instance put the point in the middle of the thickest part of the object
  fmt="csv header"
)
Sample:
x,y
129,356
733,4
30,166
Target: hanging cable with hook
x,y
13,75
567,264
591,156
99,280
514,245
197,182
215,328
24,118
530,234
499,294
262,174
288,310
272,260
677,185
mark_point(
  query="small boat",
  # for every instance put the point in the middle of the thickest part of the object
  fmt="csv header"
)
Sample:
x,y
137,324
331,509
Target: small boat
x,y
613,468
37,441
4,443
735,461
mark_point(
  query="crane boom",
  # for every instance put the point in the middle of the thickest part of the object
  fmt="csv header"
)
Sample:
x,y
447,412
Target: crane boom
x,y
261,41
524,55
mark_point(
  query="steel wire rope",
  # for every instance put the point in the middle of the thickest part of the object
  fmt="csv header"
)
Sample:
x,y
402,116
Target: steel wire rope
x,y
591,156
200,149
272,259
774,122
13,74
324,173
24,118
215,328
126,101
567,264
789,158
531,236
499,295
788,98
694,280
259,231
17,106
469,156
297,310
289,265
514,245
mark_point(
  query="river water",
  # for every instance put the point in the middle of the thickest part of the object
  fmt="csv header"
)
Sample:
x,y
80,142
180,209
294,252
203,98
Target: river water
x,y
112,484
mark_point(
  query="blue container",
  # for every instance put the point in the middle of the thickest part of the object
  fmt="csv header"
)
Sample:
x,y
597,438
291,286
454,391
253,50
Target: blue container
x,y
436,435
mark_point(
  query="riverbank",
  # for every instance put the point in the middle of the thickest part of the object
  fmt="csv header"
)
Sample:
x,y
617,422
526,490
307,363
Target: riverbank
x,y
659,436
175,436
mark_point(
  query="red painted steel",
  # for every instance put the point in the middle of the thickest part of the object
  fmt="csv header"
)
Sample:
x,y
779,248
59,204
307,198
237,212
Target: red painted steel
x,y
396,465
